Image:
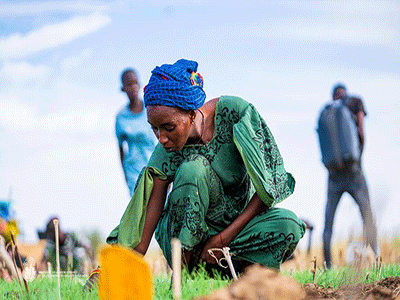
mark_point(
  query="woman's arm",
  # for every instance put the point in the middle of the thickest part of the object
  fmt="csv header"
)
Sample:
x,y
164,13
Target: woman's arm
x,y
153,213
121,155
360,126
226,236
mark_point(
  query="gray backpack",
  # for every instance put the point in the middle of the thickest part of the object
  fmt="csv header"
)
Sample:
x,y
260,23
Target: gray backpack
x,y
338,135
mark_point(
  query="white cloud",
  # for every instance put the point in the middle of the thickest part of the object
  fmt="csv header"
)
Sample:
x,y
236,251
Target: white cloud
x,y
352,31
285,118
342,22
22,72
51,36
339,8
40,7
14,114
88,120
17,116
73,62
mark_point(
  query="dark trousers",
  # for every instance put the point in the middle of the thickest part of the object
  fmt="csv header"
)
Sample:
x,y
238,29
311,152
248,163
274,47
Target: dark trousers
x,y
353,182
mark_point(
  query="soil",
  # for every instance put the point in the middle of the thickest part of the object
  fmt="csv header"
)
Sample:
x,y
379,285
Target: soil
x,y
260,283
388,288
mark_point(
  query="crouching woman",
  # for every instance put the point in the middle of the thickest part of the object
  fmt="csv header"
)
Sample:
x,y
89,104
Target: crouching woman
x,y
226,172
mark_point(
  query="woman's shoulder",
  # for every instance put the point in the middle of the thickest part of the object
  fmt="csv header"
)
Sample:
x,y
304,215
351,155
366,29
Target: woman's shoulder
x,y
232,103
210,106
158,154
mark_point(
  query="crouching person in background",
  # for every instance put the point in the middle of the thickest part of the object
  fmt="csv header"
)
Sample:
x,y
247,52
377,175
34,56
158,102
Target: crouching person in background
x,y
76,253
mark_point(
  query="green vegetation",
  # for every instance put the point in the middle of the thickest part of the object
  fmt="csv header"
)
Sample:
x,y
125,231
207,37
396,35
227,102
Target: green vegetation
x,y
193,285
347,275
45,288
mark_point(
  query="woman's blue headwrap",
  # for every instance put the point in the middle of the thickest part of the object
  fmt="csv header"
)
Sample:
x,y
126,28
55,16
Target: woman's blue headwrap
x,y
176,85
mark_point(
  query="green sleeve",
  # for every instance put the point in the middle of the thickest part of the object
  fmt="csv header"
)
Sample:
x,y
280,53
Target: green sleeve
x,y
262,158
129,231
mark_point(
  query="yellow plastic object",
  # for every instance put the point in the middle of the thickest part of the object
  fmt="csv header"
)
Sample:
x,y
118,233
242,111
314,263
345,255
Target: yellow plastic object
x,y
124,275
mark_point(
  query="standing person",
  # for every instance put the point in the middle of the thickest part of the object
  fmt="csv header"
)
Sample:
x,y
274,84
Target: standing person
x,y
349,179
227,175
135,138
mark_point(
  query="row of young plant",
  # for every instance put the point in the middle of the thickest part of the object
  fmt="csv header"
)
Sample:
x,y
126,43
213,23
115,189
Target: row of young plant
x,y
193,285
348,275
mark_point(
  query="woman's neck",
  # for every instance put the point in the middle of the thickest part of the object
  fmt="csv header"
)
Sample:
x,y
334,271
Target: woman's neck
x,y
198,128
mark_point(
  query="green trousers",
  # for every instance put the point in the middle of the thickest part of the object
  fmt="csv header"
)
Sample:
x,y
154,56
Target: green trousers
x,y
198,208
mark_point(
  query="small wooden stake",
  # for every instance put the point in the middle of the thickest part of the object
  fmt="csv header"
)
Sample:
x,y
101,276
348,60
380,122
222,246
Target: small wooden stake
x,y
176,267
314,269
55,222
49,268
228,258
20,262
14,260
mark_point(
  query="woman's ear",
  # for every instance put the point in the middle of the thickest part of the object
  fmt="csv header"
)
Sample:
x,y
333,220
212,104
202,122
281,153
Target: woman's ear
x,y
192,115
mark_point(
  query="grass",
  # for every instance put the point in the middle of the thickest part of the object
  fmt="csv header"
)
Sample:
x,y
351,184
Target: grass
x,y
45,288
193,285
346,275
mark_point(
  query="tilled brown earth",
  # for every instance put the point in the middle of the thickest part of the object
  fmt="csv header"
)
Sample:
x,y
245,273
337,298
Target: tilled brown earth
x,y
388,288
259,283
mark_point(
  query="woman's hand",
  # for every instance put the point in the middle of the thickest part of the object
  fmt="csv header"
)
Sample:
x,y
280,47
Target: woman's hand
x,y
225,237
213,242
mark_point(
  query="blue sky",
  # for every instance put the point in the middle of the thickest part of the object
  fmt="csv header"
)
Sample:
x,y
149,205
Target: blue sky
x,y
60,63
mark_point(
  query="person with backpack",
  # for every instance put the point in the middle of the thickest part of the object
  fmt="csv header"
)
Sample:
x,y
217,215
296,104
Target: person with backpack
x,y
342,138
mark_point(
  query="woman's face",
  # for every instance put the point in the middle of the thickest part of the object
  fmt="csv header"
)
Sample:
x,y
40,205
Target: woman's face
x,y
171,125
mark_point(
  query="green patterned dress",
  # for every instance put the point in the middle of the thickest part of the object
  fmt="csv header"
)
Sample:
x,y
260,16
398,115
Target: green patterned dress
x,y
213,183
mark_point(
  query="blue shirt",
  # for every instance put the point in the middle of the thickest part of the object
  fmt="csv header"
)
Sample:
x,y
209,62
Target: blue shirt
x,y
137,139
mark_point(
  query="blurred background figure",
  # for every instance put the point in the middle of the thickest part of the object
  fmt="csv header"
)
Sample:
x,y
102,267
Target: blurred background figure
x,y
136,140
8,223
341,136
76,252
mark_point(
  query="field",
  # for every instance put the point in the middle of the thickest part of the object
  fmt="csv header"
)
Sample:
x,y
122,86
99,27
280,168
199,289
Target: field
x,y
343,283
303,277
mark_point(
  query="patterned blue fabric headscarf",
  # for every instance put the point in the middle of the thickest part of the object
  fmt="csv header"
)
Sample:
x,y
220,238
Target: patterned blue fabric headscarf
x,y
176,85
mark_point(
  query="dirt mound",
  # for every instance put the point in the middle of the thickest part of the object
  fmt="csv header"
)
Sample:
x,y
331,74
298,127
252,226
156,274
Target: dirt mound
x,y
385,289
260,283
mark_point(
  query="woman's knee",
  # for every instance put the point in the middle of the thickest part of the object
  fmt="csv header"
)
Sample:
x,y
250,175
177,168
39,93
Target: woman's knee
x,y
290,224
